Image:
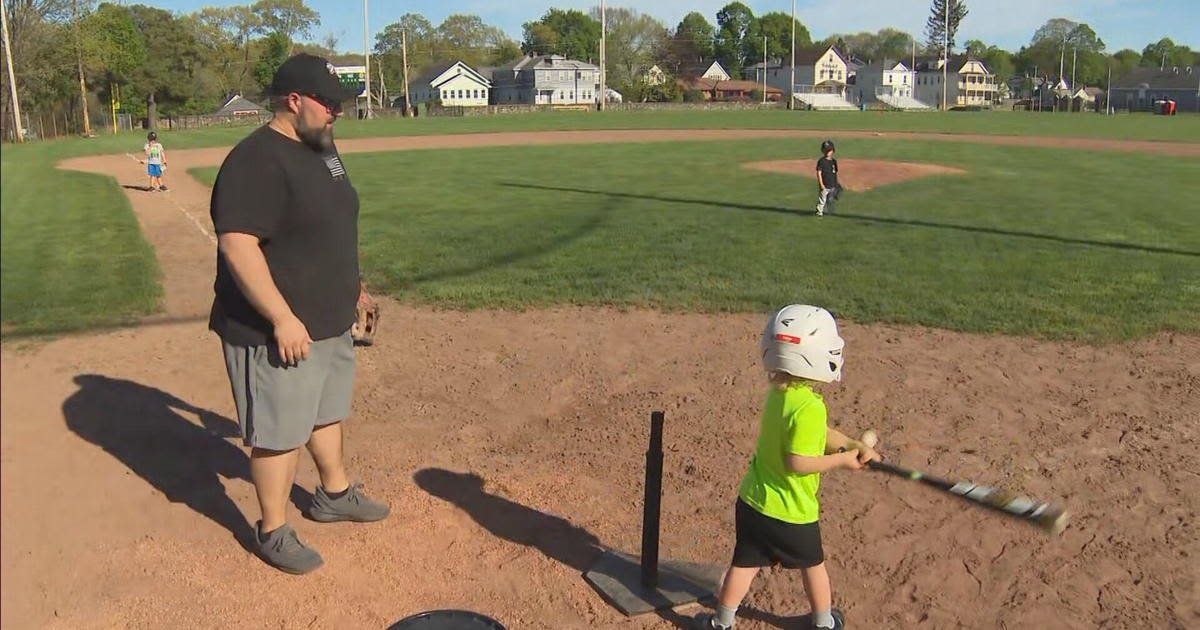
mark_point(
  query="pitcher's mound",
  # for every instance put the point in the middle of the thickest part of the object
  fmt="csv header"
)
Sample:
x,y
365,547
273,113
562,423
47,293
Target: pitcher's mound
x,y
858,174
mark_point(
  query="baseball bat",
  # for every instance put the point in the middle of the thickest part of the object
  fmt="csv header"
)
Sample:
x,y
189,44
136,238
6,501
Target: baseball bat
x,y
1047,516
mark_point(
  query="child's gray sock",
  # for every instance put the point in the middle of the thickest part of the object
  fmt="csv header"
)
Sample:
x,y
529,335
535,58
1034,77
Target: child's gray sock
x,y
725,616
823,619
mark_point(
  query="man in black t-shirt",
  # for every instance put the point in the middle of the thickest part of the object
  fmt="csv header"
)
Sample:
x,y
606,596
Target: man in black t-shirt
x,y
827,179
286,289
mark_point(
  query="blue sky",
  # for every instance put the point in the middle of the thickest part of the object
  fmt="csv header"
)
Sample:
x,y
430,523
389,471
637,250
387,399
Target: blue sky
x,y
1007,23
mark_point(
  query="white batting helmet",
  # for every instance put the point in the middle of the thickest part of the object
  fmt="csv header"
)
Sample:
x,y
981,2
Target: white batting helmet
x,y
803,341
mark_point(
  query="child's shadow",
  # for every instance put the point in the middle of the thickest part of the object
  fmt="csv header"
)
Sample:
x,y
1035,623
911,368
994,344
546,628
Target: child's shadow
x,y
142,427
554,536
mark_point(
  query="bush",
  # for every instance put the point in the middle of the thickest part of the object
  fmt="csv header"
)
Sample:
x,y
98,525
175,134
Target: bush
x,y
756,96
693,96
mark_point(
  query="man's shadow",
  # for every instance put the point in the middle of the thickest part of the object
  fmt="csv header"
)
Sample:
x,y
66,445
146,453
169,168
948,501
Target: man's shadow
x,y
143,428
554,536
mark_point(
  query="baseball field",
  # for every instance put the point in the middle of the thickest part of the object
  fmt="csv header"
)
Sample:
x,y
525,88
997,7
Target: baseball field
x,y
1019,294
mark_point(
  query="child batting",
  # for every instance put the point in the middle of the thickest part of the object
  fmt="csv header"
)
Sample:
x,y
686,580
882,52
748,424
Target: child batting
x,y
777,514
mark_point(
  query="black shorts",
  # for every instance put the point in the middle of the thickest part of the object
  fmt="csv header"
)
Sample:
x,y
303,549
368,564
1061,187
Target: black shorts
x,y
763,541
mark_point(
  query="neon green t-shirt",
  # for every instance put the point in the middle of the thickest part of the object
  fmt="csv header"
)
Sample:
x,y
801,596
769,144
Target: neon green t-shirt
x,y
794,421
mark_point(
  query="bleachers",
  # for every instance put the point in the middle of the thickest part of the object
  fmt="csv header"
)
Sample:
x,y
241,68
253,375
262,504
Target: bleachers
x,y
819,100
906,103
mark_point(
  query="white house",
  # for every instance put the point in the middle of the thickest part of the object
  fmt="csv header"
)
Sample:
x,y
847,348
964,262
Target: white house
x,y
823,70
452,84
654,75
883,79
968,82
713,70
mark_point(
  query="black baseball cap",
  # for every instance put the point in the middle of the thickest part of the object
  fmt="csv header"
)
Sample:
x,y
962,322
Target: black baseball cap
x,y
312,76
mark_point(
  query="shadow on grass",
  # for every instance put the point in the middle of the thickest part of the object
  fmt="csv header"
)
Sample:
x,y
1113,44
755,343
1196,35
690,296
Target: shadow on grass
x,y
872,219
594,222
144,428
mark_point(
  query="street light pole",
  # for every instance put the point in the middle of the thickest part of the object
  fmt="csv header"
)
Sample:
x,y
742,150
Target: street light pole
x,y
792,63
603,57
367,57
945,52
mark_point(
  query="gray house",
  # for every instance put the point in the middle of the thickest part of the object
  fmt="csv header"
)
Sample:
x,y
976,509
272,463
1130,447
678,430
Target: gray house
x,y
545,80
1141,87
236,105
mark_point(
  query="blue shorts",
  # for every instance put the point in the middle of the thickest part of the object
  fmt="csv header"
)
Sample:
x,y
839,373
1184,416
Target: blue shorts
x,y
155,170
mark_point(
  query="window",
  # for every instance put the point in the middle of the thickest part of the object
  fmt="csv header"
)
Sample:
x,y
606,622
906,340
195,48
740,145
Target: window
x,y
572,95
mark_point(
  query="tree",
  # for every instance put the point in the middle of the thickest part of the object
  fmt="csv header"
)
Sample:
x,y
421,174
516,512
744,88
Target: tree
x,y
694,39
113,47
998,60
936,36
572,34
887,43
633,39
777,27
290,18
275,52
733,24
506,52
467,38
1166,53
44,62
1059,42
173,53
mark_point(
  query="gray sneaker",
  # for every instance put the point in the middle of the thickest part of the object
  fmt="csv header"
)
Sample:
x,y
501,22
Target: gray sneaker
x,y
352,506
283,550
707,621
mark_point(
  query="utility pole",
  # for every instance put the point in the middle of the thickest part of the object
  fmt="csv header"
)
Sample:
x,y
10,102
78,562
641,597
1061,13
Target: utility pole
x,y
87,123
764,69
12,82
603,55
404,55
367,57
945,52
792,63
114,101
1108,93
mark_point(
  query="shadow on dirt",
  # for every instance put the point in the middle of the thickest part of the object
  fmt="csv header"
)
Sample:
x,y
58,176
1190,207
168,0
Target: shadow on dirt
x,y
145,428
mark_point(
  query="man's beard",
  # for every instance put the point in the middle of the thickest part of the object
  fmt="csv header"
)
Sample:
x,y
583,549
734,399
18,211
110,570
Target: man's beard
x,y
318,138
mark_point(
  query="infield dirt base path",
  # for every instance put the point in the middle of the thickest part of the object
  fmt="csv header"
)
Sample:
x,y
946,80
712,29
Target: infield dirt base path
x,y
510,446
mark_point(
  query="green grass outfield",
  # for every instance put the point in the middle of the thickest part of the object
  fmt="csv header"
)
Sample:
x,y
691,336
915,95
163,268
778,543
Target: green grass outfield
x,y
74,259
1032,241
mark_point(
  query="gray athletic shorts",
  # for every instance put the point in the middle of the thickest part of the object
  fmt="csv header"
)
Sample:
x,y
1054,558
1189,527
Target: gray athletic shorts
x,y
278,406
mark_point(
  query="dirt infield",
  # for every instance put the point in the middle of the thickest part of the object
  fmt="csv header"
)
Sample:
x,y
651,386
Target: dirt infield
x,y
510,446
866,174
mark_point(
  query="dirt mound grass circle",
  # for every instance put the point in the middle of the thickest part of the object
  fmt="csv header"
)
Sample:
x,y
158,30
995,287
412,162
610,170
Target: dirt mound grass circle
x,y
859,175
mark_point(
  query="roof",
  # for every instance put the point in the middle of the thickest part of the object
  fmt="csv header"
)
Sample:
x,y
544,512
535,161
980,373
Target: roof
x,y
428,76
956,62
809,56
880,66
691,70
1177,78
432,73
544,61
237,103
736,85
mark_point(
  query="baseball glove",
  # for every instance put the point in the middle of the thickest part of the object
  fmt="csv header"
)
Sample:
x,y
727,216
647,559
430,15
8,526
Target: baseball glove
x,y
363,330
